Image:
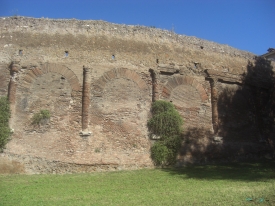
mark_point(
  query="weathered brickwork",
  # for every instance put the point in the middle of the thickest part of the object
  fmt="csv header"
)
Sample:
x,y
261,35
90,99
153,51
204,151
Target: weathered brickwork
x,y
98,81
191,100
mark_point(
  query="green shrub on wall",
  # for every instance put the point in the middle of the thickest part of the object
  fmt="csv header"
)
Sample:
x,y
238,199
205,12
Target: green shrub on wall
x,y
40,116
5,131
166,123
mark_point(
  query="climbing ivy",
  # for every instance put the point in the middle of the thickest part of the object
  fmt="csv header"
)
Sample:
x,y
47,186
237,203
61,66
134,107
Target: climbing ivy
x,y
166,123
5,131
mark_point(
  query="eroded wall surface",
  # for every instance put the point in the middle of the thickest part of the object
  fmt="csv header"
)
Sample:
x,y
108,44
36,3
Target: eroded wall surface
x,y
49,56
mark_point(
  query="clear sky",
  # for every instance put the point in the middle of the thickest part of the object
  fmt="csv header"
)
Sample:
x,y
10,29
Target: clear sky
x,y
244,24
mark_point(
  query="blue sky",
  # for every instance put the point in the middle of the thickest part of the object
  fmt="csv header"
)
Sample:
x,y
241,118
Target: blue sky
x,y
244,24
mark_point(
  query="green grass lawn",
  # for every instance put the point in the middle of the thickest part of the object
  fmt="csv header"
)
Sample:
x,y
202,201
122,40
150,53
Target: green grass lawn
x,y
223,184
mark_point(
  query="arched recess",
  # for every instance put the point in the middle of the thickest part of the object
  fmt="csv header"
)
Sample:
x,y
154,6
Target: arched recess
x,y
190,99
70,76
120,102
118,73
184,80
50,87
53,87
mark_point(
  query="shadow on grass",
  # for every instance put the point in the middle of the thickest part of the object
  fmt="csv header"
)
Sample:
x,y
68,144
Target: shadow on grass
x,y
249,171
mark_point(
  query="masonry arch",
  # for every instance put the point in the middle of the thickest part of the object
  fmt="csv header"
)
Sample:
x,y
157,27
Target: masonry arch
x,y
36,72
190,99
184,80
120,103
119,73
51,86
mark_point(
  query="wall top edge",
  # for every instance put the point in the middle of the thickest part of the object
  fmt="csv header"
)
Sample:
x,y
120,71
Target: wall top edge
x,y
100,27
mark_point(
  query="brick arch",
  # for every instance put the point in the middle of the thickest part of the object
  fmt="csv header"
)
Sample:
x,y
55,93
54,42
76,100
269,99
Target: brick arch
x,y
183,80
119,73
34,73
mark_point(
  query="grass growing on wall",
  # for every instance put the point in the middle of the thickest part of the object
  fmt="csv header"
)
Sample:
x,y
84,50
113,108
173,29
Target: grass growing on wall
x,y
5,131
233,184
40,116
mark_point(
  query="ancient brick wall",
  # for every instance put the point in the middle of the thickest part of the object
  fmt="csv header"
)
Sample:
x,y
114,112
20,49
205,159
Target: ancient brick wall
x,y
191,100
128,67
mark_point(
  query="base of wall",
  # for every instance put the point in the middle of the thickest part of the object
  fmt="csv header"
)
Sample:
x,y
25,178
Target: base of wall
x,y
16,164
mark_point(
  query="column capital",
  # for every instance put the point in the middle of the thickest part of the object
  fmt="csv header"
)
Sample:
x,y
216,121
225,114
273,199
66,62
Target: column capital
x,y
14,67
213,82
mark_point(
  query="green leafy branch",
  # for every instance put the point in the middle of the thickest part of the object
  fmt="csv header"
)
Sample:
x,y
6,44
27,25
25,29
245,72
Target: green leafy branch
x,y
5,131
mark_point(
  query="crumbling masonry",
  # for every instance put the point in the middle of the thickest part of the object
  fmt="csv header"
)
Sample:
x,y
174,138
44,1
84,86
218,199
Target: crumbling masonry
x,y
99,111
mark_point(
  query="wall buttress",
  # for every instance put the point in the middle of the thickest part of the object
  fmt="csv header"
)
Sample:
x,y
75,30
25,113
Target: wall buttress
x,y
14,69
85,101
214,102
155,85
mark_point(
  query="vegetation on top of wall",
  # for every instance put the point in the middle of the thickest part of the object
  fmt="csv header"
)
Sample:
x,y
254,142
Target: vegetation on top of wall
x,y
5,131
40,116
166,123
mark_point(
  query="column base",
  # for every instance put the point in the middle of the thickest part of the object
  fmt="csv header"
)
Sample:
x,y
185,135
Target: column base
x,y
85,133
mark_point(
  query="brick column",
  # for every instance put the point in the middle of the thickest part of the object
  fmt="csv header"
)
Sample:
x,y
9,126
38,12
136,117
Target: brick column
x,y
214,102
14,69
86,101
155,85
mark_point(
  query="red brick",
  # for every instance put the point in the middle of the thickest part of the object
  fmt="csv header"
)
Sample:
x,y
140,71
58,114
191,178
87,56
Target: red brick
x,y
189,80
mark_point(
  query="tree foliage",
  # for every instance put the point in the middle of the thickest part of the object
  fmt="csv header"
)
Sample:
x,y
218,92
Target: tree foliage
x,y
5,131
166,123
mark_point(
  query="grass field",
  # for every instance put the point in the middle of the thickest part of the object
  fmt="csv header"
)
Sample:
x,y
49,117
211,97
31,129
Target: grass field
x,y
227,184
